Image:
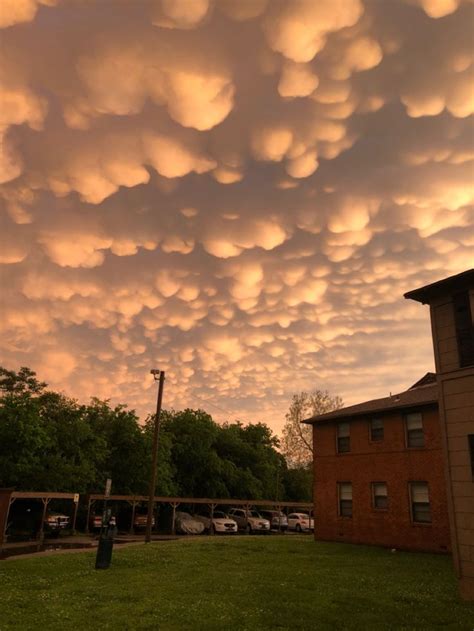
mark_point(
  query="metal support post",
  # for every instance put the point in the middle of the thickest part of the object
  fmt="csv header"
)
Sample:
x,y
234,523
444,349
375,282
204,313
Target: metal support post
x,y
132,523
173,519
89,502
74,518
211,525
45,501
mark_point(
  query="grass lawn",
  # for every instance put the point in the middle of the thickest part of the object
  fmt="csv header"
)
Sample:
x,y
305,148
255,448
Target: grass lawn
x,y
280,582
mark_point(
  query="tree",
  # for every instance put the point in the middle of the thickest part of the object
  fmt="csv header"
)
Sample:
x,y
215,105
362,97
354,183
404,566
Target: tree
x,y
51,442
23,382
297,440
126,456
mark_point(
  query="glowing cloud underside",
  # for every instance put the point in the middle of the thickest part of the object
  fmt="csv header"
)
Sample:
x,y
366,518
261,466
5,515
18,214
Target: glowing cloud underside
x,y
235,191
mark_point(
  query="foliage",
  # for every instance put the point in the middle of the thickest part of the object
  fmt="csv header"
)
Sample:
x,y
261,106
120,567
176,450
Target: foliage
x,y
297,441
254,583
51,442
298,482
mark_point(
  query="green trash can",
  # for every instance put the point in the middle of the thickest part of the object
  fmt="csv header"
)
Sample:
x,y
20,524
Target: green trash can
x,y
104,553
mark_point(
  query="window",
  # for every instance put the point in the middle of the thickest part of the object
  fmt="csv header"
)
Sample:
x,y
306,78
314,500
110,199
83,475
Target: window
x,y
343,438
420,502
379,495
414,430
463,319
470,438
376,430
345,499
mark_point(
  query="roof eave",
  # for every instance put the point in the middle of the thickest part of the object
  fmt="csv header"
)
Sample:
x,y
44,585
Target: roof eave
x,y
323,418
447,285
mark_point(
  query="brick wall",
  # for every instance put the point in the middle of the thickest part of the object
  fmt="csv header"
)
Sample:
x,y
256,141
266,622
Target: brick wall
x,y
388,461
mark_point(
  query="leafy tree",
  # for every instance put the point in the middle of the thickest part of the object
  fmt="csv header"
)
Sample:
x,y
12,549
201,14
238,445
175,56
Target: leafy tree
x,y
125,455
297,441
297,484
23,382
49,441
75,452
23,440
196,466
44,441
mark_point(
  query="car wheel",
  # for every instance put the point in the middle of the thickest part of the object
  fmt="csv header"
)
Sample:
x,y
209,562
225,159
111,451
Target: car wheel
x,y
298,528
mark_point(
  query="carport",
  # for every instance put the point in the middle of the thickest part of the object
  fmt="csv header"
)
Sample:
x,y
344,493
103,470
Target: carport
x,y
8,497
175,502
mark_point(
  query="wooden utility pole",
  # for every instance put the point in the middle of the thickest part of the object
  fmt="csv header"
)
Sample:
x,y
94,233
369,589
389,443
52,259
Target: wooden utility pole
x,y
156,435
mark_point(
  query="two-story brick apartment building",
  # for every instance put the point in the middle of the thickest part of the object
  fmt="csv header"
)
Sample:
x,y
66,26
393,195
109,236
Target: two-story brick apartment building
x,y
378,472
451,303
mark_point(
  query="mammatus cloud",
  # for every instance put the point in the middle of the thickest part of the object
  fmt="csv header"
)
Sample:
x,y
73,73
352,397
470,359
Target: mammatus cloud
x,y
236,191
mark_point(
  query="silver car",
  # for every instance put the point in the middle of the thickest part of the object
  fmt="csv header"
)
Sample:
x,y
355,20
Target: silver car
x,y
251,521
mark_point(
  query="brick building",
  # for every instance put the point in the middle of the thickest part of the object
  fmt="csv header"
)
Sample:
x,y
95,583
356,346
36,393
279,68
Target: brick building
x,y
378,472
452,323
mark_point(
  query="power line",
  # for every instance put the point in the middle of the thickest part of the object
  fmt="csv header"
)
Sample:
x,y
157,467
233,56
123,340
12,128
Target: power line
x,y
194,396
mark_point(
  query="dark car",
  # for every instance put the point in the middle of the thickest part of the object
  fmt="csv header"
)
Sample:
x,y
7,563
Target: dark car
x,y
277,519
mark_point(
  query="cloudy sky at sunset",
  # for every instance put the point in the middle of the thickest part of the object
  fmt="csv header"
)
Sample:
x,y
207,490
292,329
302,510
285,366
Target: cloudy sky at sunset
x,y
238,192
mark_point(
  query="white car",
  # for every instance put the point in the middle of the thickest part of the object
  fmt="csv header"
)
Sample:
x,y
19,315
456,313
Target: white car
x,y
300,522
251,521
220,522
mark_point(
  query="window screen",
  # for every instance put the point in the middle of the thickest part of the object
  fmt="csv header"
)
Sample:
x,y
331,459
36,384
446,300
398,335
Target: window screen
x,y
379,495
376,429
345,499
414,430
420,502
343,438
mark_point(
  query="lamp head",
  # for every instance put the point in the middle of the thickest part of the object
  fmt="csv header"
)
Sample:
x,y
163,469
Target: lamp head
x,y
155,372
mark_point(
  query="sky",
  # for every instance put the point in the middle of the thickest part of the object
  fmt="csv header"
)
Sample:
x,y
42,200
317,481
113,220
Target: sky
x,y
237,192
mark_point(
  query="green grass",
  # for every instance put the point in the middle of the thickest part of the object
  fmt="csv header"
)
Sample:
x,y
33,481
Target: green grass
x,y
241,583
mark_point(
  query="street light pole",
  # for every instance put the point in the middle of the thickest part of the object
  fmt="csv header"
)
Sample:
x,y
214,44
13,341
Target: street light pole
x,y
156,434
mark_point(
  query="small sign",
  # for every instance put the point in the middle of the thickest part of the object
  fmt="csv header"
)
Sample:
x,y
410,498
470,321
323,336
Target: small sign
x,y
76,498
108,487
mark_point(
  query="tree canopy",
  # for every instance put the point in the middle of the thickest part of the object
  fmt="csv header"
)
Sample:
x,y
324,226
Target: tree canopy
x,y
51,442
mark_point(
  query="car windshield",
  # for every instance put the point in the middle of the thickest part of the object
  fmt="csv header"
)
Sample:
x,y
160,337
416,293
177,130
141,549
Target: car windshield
x,y
219,514
255,513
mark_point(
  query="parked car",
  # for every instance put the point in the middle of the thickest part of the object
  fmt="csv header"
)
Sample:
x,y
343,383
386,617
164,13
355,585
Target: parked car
x,y
251,521
140,520
187,525
55,522
277,519
95,522
221,522
300,522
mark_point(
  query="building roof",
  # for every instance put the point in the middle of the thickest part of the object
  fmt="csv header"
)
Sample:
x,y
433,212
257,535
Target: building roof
x,y
450,285
423,392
